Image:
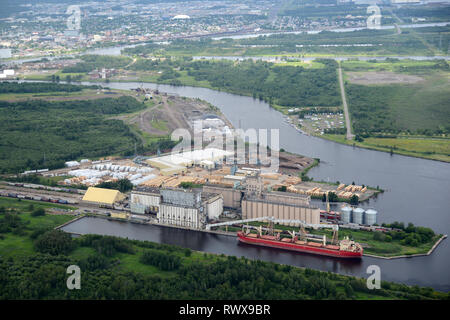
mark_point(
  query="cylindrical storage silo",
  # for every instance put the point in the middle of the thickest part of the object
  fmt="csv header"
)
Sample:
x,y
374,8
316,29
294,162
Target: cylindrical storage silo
x,y
370,217
358,215
346,214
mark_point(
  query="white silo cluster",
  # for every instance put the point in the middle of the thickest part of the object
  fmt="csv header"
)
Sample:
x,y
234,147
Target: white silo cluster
x,y
346,215
358,216
370,217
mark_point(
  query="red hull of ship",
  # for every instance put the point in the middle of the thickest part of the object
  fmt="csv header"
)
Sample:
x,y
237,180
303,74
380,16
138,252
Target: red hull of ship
x,y
298,247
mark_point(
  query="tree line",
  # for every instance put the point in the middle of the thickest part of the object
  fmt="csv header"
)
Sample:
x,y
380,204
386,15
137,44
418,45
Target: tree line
x,y
42,274
37,134
38,87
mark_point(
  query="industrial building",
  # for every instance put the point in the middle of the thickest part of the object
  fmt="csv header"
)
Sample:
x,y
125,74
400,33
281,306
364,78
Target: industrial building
x,y
103,196
187,208
178,163
280,206
250,198
231,197
358,216
145,201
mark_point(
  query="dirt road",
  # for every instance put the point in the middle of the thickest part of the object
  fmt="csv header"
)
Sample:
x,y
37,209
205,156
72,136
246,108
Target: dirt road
x,y
349,135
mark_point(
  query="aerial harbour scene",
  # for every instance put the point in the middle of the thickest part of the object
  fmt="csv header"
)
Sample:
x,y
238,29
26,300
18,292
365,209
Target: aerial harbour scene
x,y
225,150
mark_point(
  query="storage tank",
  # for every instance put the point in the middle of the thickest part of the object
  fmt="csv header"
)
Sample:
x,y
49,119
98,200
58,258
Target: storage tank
x,y
346,214
370,217
358,214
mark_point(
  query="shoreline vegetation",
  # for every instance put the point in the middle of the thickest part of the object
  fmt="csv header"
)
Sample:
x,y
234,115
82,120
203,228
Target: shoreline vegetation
x,y
162,271
382,144
377,244
392,149
390,127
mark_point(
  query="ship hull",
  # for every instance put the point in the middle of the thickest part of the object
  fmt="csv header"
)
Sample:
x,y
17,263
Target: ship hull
x,y
299,248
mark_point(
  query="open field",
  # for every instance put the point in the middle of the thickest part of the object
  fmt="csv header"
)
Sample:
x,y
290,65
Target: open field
x,y
86,94
400,107
381,77
421,147
392,65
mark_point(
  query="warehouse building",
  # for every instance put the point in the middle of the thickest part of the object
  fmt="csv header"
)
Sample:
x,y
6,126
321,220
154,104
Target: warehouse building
x,y
103,196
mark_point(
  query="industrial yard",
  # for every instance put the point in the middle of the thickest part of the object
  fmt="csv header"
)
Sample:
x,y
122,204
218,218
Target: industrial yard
x,y
203,189
165,113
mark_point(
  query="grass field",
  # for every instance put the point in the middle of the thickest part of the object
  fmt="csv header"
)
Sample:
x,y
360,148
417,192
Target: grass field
x,y
394,65
18,245
416,110
22,204
427,148
304,64
395,108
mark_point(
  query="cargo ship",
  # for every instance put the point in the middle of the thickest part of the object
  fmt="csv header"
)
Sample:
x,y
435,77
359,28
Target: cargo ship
x,y
345,248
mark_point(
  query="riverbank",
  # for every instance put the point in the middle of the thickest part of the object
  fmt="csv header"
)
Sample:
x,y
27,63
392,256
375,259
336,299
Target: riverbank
x,y
166,270
372,247
364,237
394,146
420,147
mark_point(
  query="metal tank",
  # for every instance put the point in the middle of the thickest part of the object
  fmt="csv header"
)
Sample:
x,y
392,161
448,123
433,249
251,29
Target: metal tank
x,y
346,214
370,217
358,214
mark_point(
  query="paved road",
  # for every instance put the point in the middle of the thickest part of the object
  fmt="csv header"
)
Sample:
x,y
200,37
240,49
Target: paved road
x,y
349,135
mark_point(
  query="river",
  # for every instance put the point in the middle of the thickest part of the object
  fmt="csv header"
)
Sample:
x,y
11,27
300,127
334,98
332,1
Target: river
x,y
382,27
416,191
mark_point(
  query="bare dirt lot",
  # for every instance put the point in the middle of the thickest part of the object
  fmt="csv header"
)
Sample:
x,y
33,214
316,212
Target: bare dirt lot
x,y
168,112
381,77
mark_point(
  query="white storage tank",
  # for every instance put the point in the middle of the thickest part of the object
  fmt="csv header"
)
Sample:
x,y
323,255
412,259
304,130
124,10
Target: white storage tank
x,y
370,217
358,214
346,214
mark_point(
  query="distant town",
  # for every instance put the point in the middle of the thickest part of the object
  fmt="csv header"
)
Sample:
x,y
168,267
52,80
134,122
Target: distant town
x,y
38,29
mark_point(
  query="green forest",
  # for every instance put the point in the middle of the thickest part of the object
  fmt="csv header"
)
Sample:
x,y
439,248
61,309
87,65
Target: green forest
x,y
288,86
38,87
33,262
281,85
43,134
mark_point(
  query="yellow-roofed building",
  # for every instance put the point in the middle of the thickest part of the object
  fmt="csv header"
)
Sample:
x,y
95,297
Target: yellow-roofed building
x,y
103,196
